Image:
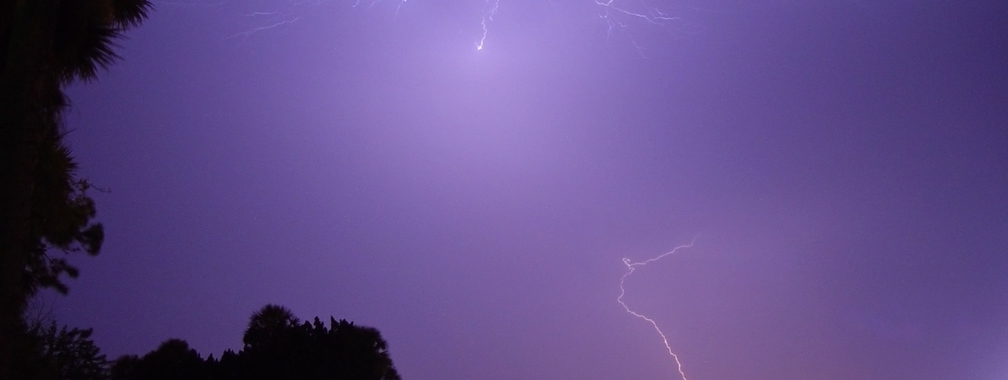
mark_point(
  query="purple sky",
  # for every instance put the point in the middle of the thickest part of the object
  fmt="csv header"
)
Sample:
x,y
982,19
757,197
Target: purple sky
x,y
844,163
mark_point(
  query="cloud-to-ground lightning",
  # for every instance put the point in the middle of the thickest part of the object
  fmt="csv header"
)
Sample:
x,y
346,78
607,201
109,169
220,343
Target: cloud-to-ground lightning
x,y
487,17
631,267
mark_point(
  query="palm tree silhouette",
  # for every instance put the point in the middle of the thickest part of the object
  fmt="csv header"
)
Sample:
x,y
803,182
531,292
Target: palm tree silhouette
x,y
267,325
44,45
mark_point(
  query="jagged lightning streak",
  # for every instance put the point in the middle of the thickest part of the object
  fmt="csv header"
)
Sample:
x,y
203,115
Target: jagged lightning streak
x,y
654,16
620,16
631,266
614,11
275,24
487,16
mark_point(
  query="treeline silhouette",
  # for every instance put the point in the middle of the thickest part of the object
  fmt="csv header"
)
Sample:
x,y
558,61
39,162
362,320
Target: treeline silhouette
x,y
276,346
46,213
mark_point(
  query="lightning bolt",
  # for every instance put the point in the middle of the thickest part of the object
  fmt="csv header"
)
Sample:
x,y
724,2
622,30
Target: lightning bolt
x,y
487,17
620,16
398,7
631,267
617,16
653,16
278,23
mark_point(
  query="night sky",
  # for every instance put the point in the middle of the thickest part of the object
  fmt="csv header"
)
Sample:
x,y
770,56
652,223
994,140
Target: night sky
x,y
843,166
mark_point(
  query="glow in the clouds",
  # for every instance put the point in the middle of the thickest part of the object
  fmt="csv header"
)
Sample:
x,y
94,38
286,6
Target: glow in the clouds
x,y
631,266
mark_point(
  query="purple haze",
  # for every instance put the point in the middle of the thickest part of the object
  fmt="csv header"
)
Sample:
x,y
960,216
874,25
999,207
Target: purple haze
x,y
845,165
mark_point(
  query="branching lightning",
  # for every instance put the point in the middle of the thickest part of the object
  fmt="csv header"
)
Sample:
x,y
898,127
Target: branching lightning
x,y
619,16
653,16
631,266
487,17
614,10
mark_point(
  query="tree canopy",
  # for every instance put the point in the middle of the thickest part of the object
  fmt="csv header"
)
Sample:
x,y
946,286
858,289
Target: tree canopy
x,y
276,346
49,352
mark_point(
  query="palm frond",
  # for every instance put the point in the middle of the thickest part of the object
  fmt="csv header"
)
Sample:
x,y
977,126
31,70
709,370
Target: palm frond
x,y
130,13
84,42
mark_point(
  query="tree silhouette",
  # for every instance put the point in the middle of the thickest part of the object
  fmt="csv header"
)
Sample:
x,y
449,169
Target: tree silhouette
x,y
44,45
276,347
269,324
172,360
125,368
60,353
353,352
62,222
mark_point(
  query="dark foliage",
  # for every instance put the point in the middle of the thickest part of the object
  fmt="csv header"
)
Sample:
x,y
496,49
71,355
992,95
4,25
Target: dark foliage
x,y
73,40
268,325
62,220
45,45
60,353
276,347
173,359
